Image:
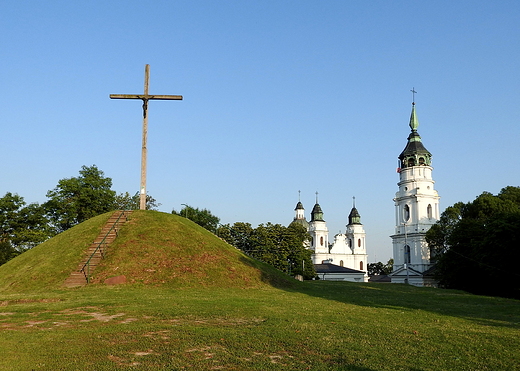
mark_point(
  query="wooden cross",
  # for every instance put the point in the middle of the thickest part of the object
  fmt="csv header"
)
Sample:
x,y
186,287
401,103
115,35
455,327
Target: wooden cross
x,y
145,98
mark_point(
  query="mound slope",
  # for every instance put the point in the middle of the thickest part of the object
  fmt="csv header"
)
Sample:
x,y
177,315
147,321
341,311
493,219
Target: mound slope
x,y
159,248
152,248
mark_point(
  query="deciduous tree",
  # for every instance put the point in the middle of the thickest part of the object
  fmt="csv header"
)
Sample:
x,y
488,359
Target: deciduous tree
x,y
475,243
77,199
22,226
202,217
124,201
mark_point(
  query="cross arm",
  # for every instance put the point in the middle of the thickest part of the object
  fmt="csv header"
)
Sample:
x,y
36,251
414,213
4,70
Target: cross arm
x,y
145,97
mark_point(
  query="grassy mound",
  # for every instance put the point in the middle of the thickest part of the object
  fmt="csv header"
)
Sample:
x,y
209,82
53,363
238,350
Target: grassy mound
x,y
47,265
152,248
155,248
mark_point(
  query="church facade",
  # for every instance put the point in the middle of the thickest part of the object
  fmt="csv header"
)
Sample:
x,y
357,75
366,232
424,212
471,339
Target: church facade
x,y
416,210
347,250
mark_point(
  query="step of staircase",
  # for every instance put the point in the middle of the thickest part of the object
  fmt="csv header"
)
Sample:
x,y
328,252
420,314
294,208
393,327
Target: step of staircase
x,y
107,235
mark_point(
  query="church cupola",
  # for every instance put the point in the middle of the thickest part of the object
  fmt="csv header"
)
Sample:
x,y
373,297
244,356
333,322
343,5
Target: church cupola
x,y
414,154
354,217
299,218
317,213
300,211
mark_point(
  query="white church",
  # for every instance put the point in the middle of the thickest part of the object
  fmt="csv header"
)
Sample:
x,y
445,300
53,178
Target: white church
x,y
346,258
416,210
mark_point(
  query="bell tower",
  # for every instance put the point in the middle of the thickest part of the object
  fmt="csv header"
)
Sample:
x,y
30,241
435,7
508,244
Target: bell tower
x,y
318,231
416,210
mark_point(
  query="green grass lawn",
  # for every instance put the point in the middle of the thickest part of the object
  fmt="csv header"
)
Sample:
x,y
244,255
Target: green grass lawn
x,y
317,326
191,301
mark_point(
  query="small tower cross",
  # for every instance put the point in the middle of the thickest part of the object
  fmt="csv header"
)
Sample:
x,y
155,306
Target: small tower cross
x,y
413,95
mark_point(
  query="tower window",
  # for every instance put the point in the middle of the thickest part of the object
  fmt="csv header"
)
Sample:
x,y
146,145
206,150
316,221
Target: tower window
x,y
321,241
359,242
406,213
429,211
360,266
421,160
407,254
341,263
411,162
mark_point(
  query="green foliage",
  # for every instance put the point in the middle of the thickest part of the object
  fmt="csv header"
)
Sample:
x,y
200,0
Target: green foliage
x,y
473,241
75,200
380,268
279,246
21,226
124,201
202,217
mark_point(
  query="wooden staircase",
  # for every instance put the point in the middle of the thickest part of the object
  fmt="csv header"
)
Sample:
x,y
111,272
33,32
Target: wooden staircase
x,y
96,251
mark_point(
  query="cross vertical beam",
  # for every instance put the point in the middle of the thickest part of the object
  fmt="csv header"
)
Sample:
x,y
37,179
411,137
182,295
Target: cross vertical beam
x,y
142,188
145,98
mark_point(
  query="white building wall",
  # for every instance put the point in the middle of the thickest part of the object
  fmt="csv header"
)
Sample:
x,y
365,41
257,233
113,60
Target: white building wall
x,y
416,196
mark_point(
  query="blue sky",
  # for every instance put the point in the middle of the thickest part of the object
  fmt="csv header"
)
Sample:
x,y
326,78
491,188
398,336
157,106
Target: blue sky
x,y
279,96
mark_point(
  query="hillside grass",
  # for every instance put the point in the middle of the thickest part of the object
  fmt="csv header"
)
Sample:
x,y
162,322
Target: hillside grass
x,y
211,317
317,326
47,265
156,248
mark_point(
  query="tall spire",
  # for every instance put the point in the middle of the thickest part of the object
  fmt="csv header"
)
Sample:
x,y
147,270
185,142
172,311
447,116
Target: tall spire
x,y
414,154
414,122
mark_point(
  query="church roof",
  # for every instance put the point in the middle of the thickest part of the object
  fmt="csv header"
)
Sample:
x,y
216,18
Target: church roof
x,y
333,268
414,153
303,222
317,213
299,206
354,217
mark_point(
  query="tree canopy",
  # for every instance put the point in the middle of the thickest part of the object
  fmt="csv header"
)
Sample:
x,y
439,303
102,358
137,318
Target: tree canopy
x,y
380,268
124,201
22,226
472,242
282,247
77,199
202,217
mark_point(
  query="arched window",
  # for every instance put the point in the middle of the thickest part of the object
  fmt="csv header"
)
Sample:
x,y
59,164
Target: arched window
x,y
360,266
406,254
341,263
350,243
359,242
421,160
321,240
411,162
406,215
429,211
